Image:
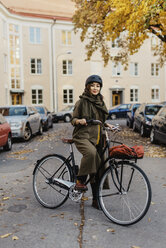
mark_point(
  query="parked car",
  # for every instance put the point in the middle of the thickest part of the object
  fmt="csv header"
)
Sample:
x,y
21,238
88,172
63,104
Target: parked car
x,y
130,114
64,115
143,118
24,120
158,130
163,103
5,134
119,111
46,116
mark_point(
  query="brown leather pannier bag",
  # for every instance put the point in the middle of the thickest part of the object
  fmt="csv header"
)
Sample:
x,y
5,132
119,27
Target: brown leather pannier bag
x,y
125,152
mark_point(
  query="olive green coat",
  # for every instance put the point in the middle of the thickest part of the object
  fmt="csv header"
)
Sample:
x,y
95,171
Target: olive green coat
x,y
87,137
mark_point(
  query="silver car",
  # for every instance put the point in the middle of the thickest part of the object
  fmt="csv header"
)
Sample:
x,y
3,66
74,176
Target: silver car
x,y
24,121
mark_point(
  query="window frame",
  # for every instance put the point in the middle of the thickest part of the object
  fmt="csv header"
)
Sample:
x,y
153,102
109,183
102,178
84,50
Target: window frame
x,y
36,66
66,36
133,69
15,56
67,67
115,69
155,93
37,99
68,89
154,69
35,35
135,97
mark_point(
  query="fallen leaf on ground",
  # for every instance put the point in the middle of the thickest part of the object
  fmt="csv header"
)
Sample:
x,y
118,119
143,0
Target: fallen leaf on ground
x,y
5,235
85,198
5,198
110,230
15,238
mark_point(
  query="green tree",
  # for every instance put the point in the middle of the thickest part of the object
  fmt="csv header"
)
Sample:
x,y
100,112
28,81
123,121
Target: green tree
x,y
131,21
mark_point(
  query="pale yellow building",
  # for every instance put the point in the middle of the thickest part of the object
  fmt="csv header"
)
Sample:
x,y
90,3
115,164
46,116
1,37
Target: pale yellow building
x,y
43,61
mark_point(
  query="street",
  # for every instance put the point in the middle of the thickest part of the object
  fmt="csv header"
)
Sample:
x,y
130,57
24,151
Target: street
x,y
25,223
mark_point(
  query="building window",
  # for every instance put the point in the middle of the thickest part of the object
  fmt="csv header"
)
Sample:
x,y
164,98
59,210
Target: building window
x,y
66,37
154,42
154,69
134,69
14,46
68,95
36,66
155,94
116,69
37,96
4,28
134,94
67,67
35,35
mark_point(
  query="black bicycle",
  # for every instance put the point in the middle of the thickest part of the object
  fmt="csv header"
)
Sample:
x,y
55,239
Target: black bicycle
x,y
123,192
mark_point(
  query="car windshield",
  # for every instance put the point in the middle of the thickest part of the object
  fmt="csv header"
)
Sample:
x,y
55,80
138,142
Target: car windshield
x,y
40,110
13,111
152,110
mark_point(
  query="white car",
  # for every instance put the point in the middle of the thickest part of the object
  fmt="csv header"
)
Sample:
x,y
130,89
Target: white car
x,y
24,120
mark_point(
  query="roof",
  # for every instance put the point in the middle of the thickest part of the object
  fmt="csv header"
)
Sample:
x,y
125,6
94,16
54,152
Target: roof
x,y
51,9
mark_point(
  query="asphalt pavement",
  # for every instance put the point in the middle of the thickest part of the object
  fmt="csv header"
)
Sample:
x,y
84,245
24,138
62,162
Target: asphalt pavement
x,y
25,223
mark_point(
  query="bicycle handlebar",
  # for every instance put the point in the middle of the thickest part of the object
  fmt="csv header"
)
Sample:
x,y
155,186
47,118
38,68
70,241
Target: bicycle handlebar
x,y
98,122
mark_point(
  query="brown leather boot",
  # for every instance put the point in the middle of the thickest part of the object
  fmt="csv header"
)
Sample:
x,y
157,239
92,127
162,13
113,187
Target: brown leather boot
x,y
95,204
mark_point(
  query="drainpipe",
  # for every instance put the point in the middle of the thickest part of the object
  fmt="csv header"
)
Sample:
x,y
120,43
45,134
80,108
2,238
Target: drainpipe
x,y
52,56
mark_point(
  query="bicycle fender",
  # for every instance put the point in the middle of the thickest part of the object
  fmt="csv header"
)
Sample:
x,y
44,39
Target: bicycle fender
x,y
39,160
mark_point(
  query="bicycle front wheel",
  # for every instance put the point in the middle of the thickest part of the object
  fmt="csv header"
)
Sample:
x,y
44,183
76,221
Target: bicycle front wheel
x,y
128,195
46,192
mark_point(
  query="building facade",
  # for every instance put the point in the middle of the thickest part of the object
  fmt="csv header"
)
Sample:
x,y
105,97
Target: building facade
x,y
43,62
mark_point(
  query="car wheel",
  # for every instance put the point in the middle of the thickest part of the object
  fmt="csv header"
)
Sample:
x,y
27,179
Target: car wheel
x,y
51,126
8,145
46,127
130,124
27,133
67,118
127,123
134,127
152,136
113,116
142,131
40,132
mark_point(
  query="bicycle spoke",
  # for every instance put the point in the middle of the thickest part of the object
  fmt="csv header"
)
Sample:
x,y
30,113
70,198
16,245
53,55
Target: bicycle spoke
x,y
132,200
46,191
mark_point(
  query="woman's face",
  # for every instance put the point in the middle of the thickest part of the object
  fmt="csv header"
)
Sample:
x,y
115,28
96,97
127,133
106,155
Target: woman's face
x,y
94,88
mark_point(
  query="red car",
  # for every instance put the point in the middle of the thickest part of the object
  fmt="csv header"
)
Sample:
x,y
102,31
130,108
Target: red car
x,y
5,134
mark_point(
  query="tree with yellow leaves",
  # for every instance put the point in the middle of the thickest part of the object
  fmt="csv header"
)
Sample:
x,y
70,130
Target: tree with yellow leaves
x,y
129,21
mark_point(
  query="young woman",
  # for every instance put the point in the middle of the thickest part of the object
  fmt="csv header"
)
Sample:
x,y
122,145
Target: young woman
x,y
88,137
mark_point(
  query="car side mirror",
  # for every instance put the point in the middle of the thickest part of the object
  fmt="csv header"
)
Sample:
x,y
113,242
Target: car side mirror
x,y
31,112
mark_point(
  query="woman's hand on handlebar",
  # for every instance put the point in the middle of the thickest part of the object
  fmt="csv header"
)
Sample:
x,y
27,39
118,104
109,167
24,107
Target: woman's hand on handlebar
x,y
81,122
111,127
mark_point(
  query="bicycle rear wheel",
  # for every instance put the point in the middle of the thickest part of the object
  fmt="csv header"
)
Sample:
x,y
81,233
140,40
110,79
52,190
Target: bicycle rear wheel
x,y
128,197
46,192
